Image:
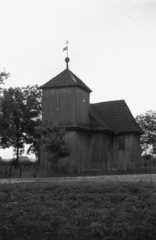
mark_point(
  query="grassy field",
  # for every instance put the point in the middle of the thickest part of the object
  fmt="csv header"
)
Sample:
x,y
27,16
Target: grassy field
x,y
78,210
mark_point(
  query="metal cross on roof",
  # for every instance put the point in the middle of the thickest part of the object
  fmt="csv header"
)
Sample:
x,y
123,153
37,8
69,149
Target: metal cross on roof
x,y
66,49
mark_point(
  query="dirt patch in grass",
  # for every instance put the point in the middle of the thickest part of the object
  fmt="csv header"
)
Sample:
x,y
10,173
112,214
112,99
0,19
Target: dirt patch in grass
x,y
78,210
103,178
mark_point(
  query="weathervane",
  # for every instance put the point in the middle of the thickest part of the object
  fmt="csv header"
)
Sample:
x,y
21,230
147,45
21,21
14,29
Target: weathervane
x,y
67,58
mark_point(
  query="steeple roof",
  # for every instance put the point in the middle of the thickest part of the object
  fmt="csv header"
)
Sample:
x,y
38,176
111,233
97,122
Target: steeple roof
x,y
65,79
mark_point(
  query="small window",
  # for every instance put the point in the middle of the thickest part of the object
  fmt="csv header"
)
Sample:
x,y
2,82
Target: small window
x,y
121,144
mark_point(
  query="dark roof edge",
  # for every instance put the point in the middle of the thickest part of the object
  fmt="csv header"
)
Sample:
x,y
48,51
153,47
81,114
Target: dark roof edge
x,y
81,127
130,132
138,128
66,86
85,86
119,100
89,129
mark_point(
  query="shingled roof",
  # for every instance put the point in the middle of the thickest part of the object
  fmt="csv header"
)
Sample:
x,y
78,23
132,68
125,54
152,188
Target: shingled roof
x,y
97,120
118,116
65,79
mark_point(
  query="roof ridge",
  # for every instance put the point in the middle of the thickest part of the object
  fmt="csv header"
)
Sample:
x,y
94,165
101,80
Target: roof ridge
x,y
73,77
121,100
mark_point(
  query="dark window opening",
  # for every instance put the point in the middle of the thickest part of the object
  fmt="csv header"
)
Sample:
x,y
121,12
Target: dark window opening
x,y
121,144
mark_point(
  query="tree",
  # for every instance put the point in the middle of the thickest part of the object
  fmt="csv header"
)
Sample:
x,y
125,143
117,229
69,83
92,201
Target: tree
x,y
3,76
12,120
20,115
33,101
147,122
54,142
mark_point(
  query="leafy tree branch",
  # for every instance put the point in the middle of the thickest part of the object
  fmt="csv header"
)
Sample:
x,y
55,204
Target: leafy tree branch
x,y
147,122
54,142
20,114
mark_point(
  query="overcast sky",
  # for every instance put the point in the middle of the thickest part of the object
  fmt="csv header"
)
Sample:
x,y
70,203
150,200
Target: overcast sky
x,y
112,46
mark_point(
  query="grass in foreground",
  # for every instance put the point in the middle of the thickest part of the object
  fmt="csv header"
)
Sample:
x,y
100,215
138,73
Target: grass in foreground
x,y
78,211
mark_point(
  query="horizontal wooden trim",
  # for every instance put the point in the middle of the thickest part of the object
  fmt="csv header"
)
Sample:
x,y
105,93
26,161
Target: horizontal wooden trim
x,y
130,132
66,86
74,126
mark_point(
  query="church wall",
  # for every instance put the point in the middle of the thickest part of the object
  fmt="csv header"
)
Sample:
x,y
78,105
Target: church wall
x,y
82,106
100,151
128,158
90,152
65,105
65,165
137,152
58,105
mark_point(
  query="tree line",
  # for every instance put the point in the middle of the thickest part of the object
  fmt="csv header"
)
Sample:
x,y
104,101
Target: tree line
x,y
20,123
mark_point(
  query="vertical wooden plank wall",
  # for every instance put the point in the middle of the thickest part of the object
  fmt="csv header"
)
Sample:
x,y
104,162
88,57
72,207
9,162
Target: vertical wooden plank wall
x,y
71,162
93,152
137,152
58,105
82,106
90,152
65,105
129,158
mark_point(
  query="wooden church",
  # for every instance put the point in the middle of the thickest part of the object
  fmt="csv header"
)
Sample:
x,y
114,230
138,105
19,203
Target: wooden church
x,y
103,136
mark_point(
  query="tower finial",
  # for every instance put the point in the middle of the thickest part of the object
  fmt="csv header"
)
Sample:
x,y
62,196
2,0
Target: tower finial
x,y
67,61
67,58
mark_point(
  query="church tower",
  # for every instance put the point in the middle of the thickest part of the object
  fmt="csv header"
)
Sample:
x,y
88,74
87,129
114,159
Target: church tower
x,y
65,100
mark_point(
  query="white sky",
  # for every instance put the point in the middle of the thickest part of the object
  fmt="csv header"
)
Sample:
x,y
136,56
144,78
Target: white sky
x,y
112,46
